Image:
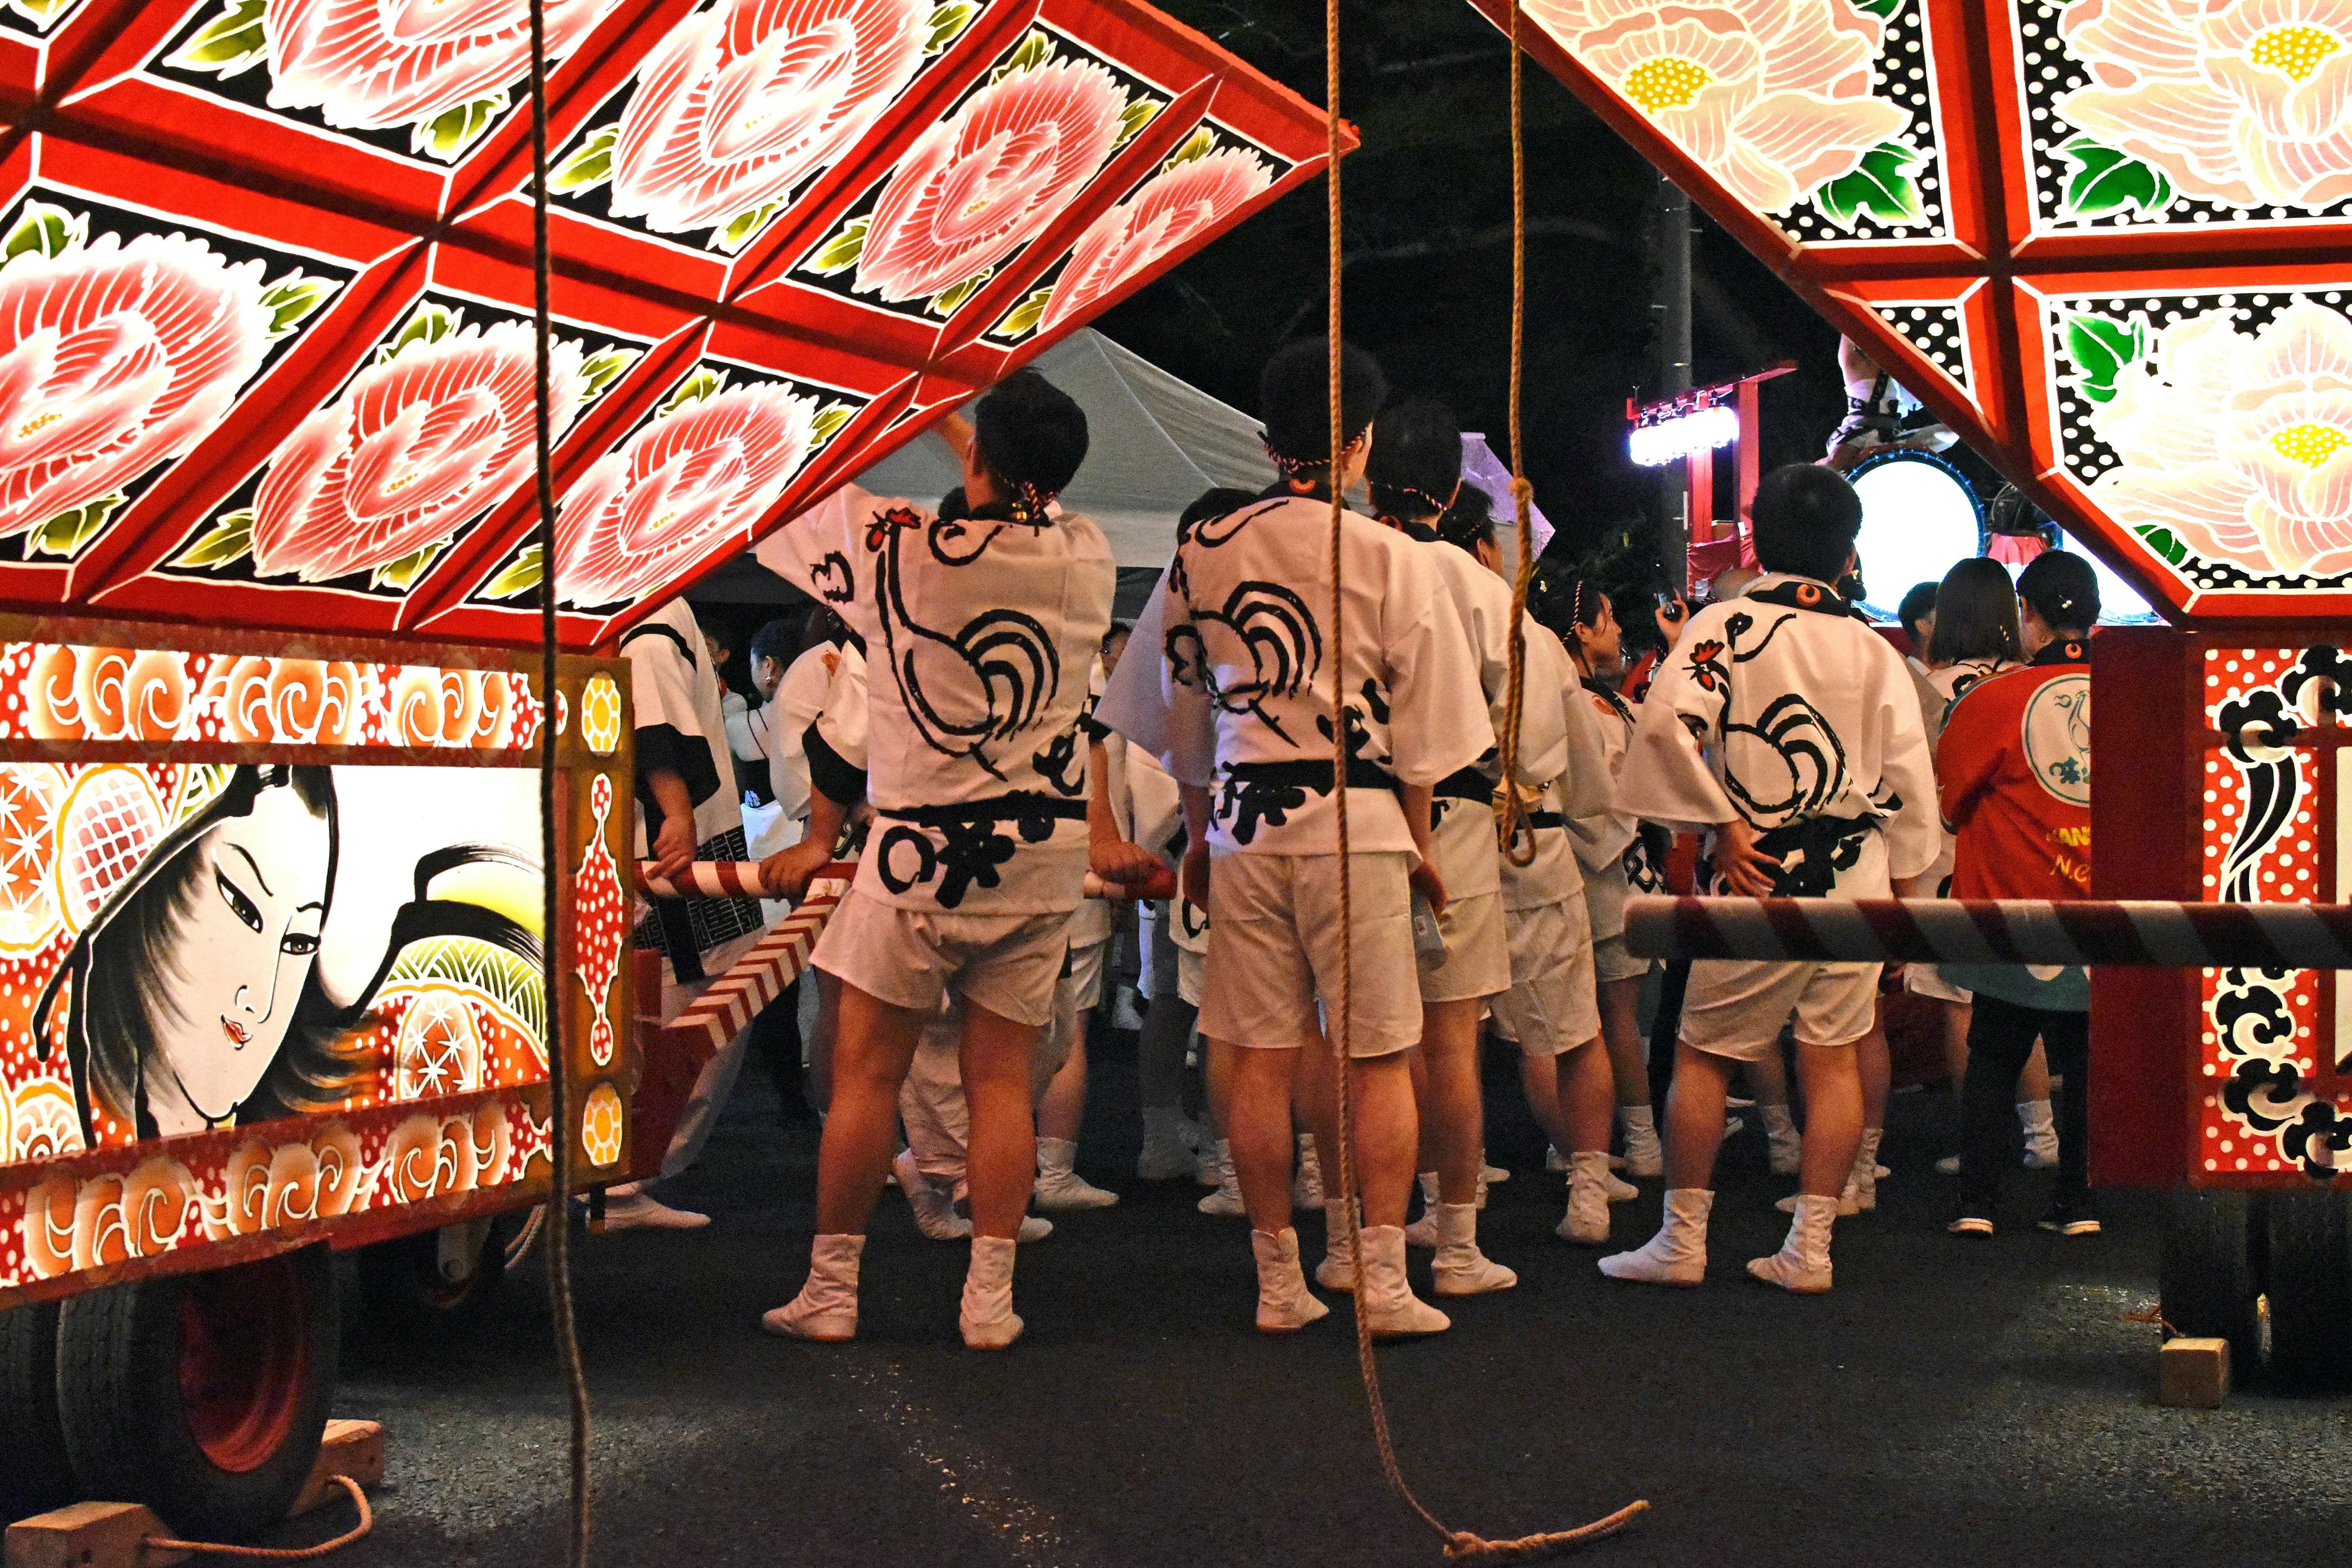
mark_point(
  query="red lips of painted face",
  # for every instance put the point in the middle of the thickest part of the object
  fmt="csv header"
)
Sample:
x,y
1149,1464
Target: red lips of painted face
x,y
236,1032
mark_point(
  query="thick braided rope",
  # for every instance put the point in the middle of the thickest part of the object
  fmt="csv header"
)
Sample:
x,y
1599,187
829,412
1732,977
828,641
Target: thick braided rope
x,y
1506,824
2005,930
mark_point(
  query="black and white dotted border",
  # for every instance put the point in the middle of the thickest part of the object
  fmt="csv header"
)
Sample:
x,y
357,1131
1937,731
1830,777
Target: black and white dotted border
x,y
1937,329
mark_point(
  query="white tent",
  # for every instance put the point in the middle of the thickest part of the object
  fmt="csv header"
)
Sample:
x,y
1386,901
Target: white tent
x,y
1155,443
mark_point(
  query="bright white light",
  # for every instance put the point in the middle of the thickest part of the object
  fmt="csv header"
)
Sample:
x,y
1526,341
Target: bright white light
x,y
1669,440
1917,518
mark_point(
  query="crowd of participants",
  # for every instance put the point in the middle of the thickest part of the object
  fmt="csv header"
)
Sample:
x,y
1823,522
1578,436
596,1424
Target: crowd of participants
x,y
962,717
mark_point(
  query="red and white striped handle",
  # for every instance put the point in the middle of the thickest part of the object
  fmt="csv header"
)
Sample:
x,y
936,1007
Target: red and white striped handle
x,y
2005,930
741,880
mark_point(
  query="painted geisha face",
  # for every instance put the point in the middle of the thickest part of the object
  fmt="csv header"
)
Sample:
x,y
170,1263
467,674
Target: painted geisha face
x,y
243,949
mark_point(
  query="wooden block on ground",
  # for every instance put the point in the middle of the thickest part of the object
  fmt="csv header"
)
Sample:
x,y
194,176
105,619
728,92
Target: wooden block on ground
x,y
354,1448
89,1535
2194,1374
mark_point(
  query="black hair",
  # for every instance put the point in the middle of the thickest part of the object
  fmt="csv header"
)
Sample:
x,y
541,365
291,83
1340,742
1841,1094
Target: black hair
x,y
1415,471
111,978
1117,629
1220,502
954,505
826,627
1806,521
1916,607
779,639
1032,436
1470,521
2063,589
1976,614
1293,401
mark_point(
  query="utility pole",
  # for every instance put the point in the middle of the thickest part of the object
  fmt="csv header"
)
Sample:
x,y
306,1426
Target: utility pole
x,y
1671,310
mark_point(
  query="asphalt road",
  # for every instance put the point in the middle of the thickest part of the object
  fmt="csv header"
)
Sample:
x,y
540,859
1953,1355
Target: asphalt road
x,y
1949,1403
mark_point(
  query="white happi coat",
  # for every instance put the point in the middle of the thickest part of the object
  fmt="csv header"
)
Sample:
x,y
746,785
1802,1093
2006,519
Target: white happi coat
x,y
1616,863
1574,814
1784,708
979,635
1242,653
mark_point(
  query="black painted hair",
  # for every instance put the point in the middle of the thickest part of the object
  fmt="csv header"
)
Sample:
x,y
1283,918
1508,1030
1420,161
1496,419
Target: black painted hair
x,y
1916,607
1470,521
1220,502
1806,520
1294,400
1415,465
111,979
2063,589
1031,435
1976,614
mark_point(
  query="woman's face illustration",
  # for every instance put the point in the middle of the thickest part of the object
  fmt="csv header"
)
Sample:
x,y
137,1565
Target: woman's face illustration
x,y
243,951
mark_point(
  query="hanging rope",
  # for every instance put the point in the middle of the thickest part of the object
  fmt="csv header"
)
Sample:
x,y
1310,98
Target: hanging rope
x,y
1461,1545
559,1138
1506,824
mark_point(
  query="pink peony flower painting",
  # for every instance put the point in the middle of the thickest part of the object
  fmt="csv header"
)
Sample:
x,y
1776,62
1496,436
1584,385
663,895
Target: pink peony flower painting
x,y
1772,97
2245,102
664,497
416,447
2240,443
1175,205
115,357
740,102
985,180
376,65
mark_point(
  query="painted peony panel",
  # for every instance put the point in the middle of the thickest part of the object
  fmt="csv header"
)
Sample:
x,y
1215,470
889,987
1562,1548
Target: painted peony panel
x,y
2161,112
742,105
1020,147
1818,113
123,343
1212,176
703,467
433,429
427,78
2216,428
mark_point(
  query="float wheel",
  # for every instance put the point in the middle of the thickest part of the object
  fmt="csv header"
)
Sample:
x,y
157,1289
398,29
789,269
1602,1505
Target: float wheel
x,y
202,1396
36,1476
2212,1278
410,1288
2308,1283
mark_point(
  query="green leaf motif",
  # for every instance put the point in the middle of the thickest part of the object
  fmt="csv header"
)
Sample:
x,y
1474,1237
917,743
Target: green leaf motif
x,y
948,301
2163,542
1885,10
603,369
292,299
229,538
842,251
694,389
449,133
2106,181
1034,51
66,533
1134,118
828,422
1025,316
231,43
430,324
743,226
1199,145
1880,186
519,577
401,574
45,230
947,25
589,167
40,13
2102,349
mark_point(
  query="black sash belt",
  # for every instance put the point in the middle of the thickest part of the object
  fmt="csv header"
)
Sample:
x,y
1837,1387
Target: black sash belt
x,y
1025,805
972,849
1465,784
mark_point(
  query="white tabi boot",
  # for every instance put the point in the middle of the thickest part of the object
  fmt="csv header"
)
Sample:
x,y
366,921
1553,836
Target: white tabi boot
x,y
1645,1157
1387,1302
1787,1144
1167,1150
1306,1182
827,1308
1059,1188
2040,1134
1862,1185
1677,1253
1283,1304
934,1206
1803,1264
1225,1203
1460,1268
1423,1232
1337,1269
1587,1220
988,1320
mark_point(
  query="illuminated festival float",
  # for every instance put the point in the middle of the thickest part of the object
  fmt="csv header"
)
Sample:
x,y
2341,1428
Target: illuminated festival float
x,y
2107,244
270,708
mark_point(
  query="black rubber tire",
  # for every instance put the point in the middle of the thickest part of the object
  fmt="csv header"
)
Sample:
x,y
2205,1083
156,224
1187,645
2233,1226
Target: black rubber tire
x,y
2309,1282
131,1414
35,1474
401,1282
2211,1273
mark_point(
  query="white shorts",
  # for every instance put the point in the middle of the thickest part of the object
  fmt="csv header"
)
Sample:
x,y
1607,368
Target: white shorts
x,y
1612,962
1550,1006
1274,951
1079,991
1476,961
1010,964
1192,968
1736,1007
1927,980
